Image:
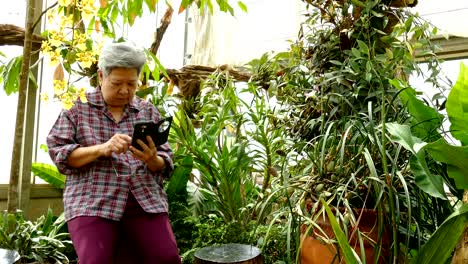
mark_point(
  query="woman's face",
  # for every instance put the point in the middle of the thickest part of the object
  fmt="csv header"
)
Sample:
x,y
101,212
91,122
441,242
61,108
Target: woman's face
x,y
118,88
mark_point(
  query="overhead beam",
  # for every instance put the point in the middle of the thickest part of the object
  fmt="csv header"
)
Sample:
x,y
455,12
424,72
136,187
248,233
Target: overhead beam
x,y
450,48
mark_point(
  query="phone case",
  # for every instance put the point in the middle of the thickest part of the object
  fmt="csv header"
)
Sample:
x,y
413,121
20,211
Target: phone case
x,y
159,132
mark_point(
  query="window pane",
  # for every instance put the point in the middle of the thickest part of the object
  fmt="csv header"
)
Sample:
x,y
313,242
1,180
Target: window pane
x,y
12,13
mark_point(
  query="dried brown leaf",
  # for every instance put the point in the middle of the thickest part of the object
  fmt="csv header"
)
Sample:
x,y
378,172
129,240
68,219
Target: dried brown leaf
x,y
58,73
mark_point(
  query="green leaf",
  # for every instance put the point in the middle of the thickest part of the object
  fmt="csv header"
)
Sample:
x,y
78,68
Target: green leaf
x,y
356,52
49,173
440,245
11,75
47,224
457,107
425,180
151,5
349,254
456,159
242,6
178,182
425,120
363,47
402,134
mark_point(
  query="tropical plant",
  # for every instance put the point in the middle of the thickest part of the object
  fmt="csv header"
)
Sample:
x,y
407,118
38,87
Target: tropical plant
x,y
49,173
219,153
336,89
44,240
439,166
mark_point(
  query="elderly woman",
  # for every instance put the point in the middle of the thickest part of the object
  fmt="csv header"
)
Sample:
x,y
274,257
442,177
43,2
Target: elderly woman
x,y
114,192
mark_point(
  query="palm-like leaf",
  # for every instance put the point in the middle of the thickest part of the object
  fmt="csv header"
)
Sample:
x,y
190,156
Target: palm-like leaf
x,y
49,173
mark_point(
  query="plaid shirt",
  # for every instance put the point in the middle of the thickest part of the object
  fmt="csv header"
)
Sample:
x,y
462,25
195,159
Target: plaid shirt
x,y
101,187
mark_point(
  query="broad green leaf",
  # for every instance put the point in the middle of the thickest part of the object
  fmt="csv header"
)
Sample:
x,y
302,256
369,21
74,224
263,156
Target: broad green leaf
x,y
425,120
456,159
11,75
425,180
440,245
457,107
49,173
402,134
349,254
178,182
430,183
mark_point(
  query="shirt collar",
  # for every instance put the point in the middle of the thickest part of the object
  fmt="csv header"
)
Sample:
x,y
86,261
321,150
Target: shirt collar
x,y
95,98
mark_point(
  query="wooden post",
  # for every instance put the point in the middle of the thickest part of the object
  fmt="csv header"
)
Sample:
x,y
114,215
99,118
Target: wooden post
x,y
229,253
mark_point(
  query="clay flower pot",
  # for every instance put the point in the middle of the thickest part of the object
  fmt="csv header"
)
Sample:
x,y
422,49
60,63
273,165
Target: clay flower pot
x,y
320,248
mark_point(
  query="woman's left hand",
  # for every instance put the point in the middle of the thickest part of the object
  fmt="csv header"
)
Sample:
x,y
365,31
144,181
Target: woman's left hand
x,y
148,155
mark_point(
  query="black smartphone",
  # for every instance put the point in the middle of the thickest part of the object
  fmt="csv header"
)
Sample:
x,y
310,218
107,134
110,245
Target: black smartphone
x,y
159,132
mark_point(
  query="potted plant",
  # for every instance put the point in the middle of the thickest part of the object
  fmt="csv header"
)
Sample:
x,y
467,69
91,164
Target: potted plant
x,y
45,240
337,93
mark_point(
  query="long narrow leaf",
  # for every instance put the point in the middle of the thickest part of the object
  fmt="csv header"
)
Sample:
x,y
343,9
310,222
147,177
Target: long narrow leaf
x,y
441,244
349,254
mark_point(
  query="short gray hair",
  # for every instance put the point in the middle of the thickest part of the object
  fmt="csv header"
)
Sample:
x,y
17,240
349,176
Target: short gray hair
x,y
121,55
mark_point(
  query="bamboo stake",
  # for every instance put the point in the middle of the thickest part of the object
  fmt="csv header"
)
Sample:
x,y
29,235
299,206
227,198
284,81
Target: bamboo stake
x,y
12,203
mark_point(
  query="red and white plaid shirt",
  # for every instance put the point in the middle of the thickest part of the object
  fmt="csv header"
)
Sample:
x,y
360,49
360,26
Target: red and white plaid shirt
x,y
101,187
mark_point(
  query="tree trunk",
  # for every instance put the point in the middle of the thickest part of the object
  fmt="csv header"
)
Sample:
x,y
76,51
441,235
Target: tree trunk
x,y
12,203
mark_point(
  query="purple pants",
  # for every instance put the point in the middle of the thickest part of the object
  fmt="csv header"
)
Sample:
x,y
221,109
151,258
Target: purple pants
x,y
139,237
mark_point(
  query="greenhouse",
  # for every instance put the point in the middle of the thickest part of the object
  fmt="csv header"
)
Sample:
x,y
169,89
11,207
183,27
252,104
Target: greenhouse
x,y
255,131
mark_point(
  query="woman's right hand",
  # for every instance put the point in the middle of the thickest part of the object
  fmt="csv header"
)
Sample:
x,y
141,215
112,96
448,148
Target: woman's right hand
x,y
118,144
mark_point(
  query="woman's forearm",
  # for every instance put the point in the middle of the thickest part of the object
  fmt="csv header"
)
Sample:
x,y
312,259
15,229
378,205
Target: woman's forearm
x,y
84,155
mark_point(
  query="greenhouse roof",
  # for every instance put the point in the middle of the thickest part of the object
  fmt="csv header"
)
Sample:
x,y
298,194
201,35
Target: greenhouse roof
x,y
448,16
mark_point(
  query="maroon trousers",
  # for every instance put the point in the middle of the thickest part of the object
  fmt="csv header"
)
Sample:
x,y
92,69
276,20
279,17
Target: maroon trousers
x,y
139,237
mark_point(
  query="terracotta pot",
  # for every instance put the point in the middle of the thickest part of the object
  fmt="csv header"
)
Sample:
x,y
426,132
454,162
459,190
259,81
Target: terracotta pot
x,y
316,250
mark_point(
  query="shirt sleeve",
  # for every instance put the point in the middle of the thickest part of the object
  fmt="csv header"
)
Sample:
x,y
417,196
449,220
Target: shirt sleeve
x,y
166,153
61,142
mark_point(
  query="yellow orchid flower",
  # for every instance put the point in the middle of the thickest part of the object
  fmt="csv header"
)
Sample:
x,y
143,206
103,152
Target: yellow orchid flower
x,y
86,59
88,9
82,95
56,38
59,86
55,57
67,101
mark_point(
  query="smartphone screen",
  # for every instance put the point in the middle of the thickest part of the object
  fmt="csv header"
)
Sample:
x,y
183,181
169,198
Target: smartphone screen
x,y
159,132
